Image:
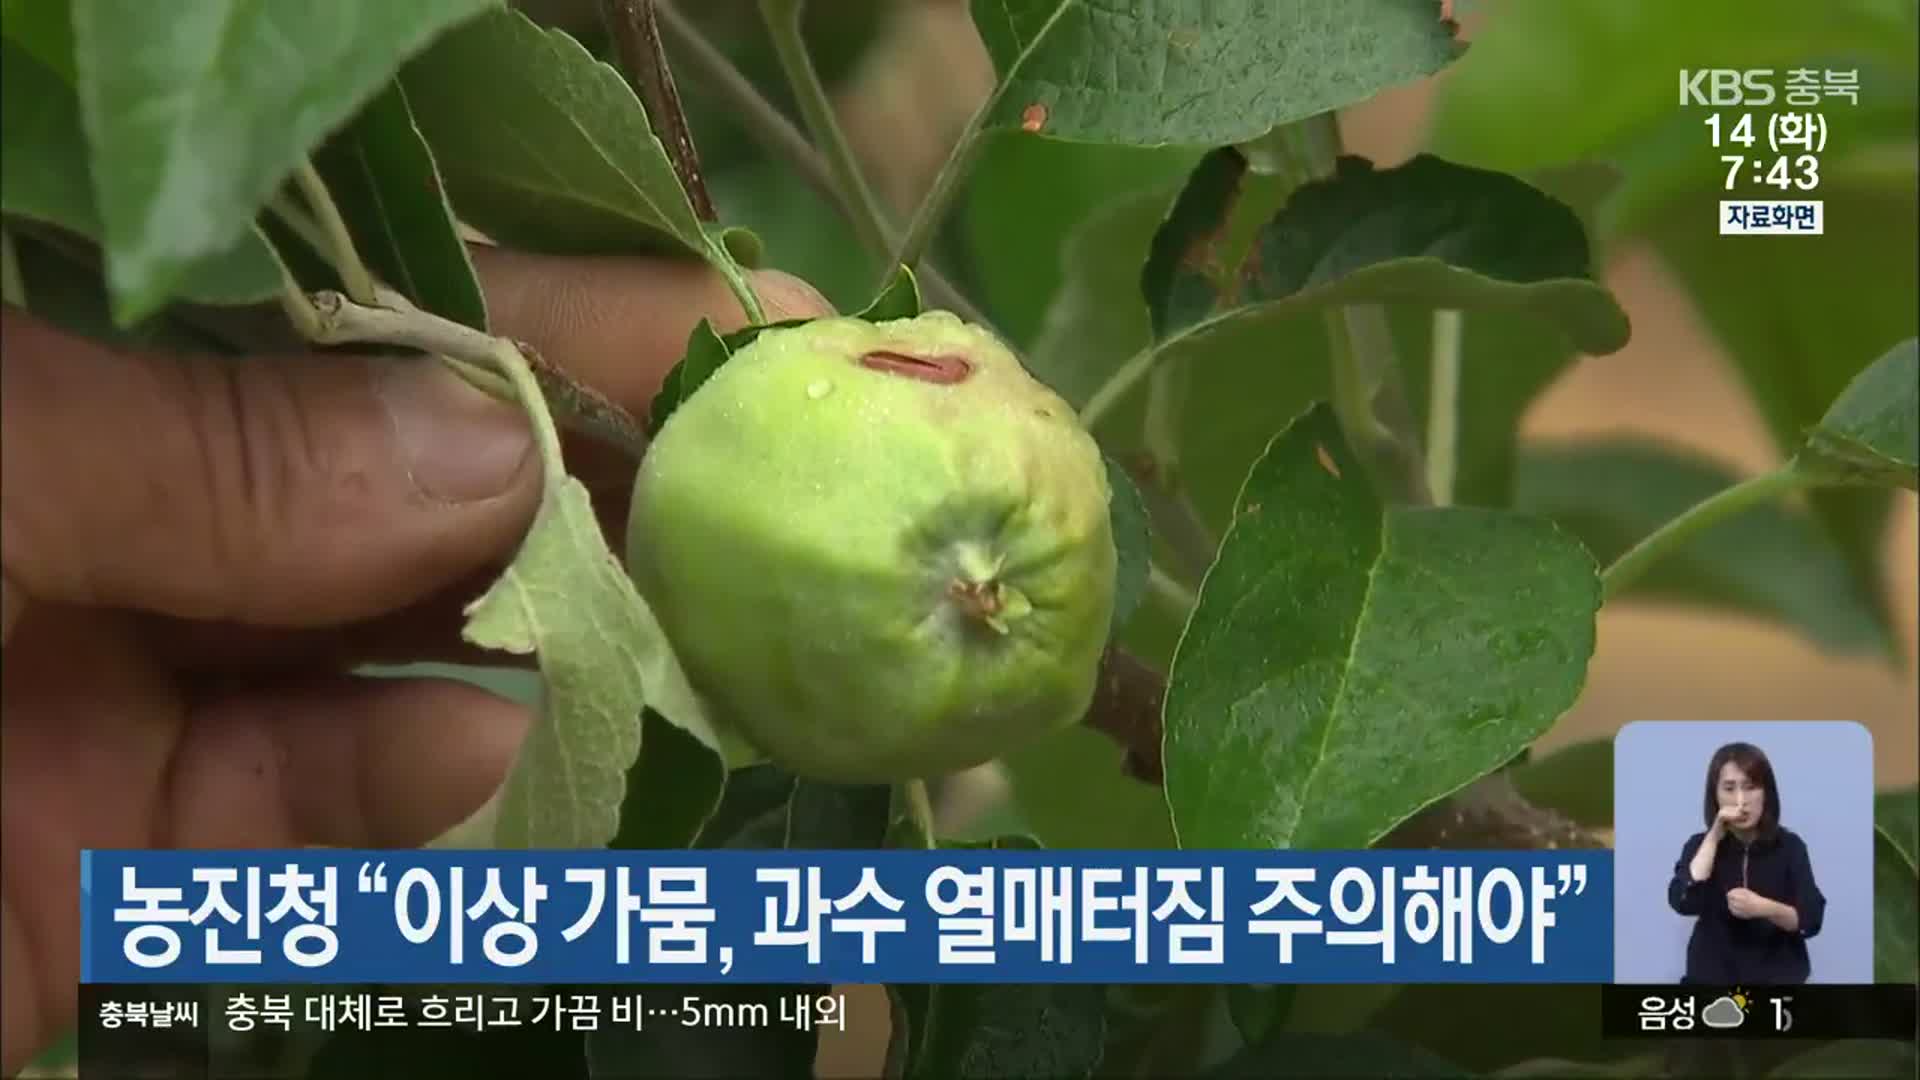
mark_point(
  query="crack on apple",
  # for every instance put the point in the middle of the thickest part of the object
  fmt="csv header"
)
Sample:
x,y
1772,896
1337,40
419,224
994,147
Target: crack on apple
x,y
945,369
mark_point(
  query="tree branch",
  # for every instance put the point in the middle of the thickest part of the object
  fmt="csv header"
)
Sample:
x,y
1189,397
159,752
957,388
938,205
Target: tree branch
x,y
767,125
636,38
784,26
1487,814
1126,708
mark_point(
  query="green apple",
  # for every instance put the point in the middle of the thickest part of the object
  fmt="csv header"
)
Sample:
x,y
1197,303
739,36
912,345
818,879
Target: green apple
x,y
881,551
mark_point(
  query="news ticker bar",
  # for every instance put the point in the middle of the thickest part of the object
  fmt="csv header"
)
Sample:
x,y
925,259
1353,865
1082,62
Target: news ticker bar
x,y
1808,1011
228,1031
282,1032
791,916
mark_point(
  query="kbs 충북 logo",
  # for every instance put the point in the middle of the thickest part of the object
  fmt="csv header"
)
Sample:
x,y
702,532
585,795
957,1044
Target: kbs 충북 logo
x,y
1769,130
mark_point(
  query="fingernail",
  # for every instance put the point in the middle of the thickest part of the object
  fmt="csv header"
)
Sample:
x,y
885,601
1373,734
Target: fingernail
x,y
458,444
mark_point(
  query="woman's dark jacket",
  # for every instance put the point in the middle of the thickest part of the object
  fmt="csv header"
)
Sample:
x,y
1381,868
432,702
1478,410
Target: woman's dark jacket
x,y
1726,950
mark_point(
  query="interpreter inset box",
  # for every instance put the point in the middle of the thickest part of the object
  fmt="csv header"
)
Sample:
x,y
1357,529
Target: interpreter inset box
x,y
1743,853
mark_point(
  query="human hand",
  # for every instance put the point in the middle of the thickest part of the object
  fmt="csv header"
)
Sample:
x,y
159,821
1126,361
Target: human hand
x,y
1724,819
196,551
1744,903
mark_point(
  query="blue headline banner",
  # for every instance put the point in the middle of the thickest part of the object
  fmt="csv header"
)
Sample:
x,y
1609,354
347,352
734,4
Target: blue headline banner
x,y
792,916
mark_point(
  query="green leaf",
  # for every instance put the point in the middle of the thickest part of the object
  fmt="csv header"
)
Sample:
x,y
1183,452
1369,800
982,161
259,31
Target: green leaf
x,y
755,797
898,299
602,657
44,30
909,1002
1896,911
1441,234
1290,721
1800,318
71,293
1163,1029
195,113
981,1030
1576,780
1133,539
44,176
43,171
1258,1010
1850,1059
1507,359
707,348
1337,1008
1072,794
1290,1054
1026,198
1098,319
822,815
706,351
906,1013
673,789
1184,275
802,231
742,245
1559,1068
544,147
383,180
1547,84
1559,1020
1771,561
1871,434
1897,814
1193,73
1896,885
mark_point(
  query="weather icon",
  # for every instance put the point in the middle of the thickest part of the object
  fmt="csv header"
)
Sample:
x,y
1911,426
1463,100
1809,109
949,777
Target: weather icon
x,y
1727,1010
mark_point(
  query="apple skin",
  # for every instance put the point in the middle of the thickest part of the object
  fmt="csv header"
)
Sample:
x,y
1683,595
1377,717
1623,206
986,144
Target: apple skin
x,y
881,551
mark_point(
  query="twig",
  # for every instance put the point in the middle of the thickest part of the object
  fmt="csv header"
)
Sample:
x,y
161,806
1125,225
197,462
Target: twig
x,y
585,410
295,302
1488,814
752,110
1443,408
339,239
856,197
1126,708
1174,595
340,321
1166,403
13,287
1366,401
1124,378
940,195
1674,534
1175,518
582,409
297,221
910,816
772,130
636,38
1368,398
635,30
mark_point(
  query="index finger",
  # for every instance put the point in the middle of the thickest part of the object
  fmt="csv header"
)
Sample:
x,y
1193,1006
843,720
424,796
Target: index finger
x,y
619,324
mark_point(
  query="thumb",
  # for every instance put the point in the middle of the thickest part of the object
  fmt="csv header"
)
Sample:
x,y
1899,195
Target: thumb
x,y
290,491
